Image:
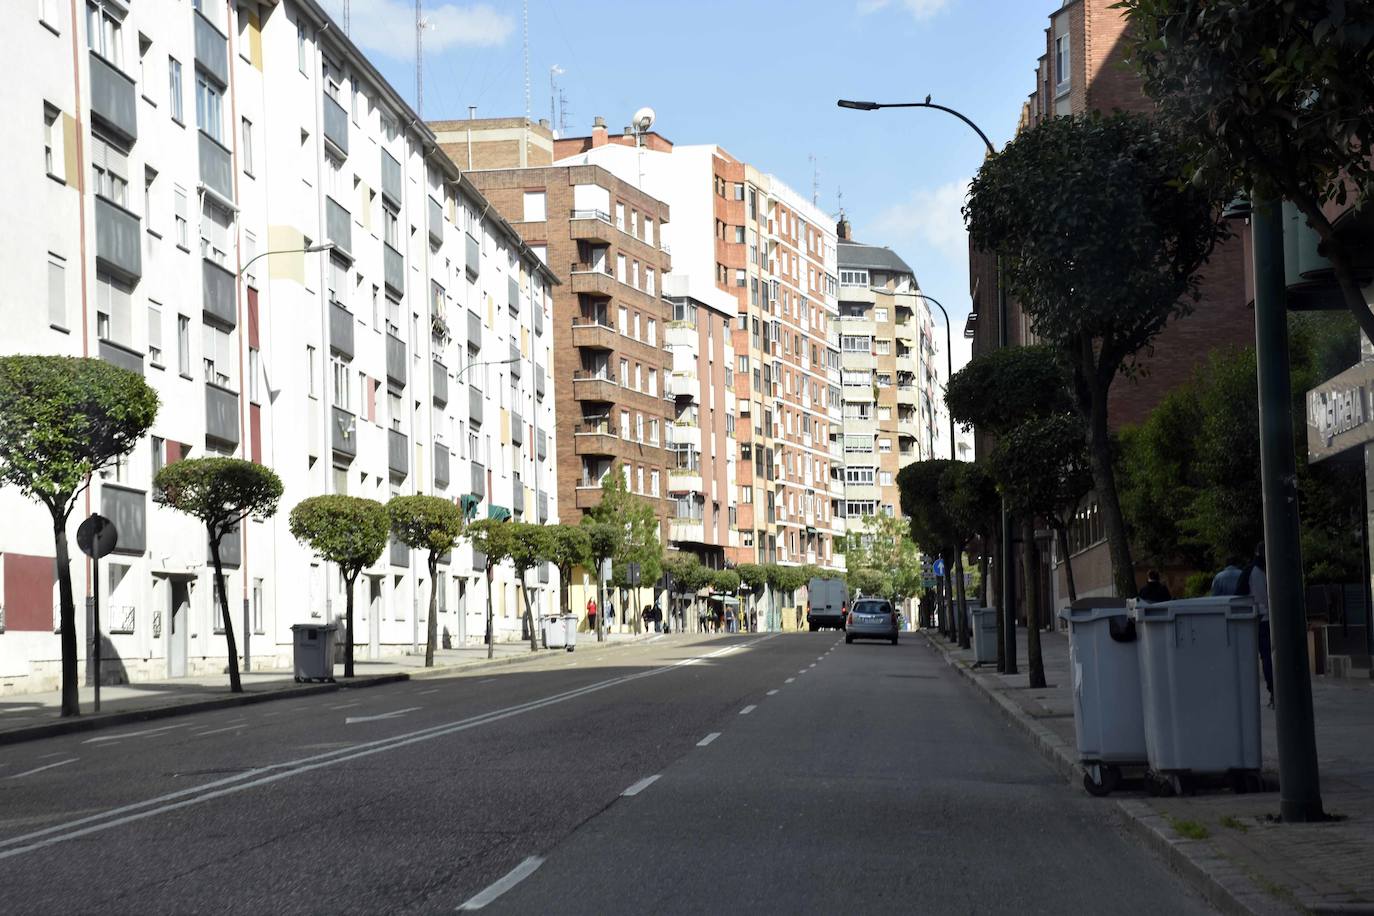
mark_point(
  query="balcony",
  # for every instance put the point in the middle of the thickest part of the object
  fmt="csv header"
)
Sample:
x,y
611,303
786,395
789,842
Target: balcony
x,y
395,359
398,553
479,481
474,329
343,433
221,415
539,381
588,332
434,221
907,394
121,356
584,279
475,401
682,334
592,386
906,363
113,99
517,368
593,225
128,509
391,179
217,294
687,531
541,501
212,50
439,382
338,226
393,270
118,242
686,434
517,429
684,385
541,442
684,480
397,453
340,330
473,252
517,495
216,166
441,478
513,295
336,126
588,496
599,438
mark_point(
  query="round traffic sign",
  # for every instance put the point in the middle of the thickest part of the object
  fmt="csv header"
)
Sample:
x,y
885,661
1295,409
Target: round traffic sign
x,y
939,568
97,536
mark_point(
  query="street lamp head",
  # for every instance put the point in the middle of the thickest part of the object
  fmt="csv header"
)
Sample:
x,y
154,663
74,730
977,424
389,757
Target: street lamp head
x,y
858,106
323,246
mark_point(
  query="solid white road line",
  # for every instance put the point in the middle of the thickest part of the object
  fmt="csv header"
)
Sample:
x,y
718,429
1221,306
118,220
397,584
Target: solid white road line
x,y
60,763
430,690
708,739
513,877
347,705
385,715
771,692
640,786
239,782
747,710
216,731
487,681
19,709
144,733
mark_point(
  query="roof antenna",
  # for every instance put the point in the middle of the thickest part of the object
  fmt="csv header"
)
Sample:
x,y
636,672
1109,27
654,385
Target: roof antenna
x,y
815,181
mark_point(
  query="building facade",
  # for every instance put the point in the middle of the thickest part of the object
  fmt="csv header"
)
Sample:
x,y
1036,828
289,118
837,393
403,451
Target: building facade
x,y
230,201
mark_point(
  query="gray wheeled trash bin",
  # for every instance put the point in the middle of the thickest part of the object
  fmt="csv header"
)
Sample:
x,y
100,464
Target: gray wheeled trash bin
x,y
983,630
1104,664
313,651
569,631
1199,675
555,632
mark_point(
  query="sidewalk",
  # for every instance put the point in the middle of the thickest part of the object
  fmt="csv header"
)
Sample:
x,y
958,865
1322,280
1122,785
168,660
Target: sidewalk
x,y
1241,860
26,717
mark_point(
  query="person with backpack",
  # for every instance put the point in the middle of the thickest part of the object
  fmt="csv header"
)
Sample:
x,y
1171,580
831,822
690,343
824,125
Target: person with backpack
x,y
1255,583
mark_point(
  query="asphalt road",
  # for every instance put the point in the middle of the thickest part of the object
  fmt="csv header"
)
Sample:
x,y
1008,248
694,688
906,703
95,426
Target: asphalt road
x,y
861,778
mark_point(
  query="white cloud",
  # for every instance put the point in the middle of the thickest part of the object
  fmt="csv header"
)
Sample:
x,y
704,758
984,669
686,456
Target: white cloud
x,y
388,26
919,9
931,218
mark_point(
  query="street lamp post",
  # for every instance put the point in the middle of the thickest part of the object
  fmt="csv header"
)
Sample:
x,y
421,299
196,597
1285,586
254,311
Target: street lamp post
x,y
309,249
1008,661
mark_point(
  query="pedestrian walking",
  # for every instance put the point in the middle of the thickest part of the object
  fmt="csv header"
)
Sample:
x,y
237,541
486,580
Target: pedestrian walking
x,y
1154,591
1226,581
591,615
1255,583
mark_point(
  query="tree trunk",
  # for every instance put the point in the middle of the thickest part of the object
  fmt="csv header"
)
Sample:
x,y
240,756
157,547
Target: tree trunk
x,y
951,629
600,606
999,565
432,625
1104,483
348,623
962,623
983,570
230,644
563,588
529,613
71,695
1068,564
491,635
1030,554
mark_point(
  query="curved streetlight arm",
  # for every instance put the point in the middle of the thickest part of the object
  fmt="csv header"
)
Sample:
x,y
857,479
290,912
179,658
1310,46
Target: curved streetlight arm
x,y
326,246
491,362
873,106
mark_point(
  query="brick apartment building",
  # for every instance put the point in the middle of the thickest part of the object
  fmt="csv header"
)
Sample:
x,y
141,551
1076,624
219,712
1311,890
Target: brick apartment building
x,y
1082,71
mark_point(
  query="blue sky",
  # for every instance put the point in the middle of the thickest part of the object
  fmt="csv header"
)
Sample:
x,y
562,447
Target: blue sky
x,y
761,80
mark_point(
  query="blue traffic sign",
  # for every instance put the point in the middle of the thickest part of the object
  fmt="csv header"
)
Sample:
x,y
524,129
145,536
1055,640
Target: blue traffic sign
x,y
939,569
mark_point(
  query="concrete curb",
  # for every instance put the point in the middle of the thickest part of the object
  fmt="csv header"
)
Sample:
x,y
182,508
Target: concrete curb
x,y
1222,884
95,722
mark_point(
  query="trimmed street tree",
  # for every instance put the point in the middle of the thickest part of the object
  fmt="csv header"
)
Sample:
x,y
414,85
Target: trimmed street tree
x,y
1275,96
529,546
753,577
433,524
348,531
640,543
604,541
221,492
565,548
494,539
686,574
1101,245
920,485
61,420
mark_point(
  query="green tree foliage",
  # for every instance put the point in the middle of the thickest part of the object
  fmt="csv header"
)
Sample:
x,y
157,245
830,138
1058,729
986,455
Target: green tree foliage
x,y
639,542
725,581
566,548
494,540
530,545
974,508
221,492
1275,96
435,525
347,531
1101,244
883,546
868,581
1000,389
752,575
61,420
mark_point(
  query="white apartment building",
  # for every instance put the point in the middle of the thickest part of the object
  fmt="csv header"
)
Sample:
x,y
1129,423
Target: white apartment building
x,y
170,163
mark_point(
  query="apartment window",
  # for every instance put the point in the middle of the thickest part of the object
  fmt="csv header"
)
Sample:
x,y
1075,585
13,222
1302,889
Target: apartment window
x,y
113,306
740,278
880,314
52,143
254,371
310,362
653,431
391,227
109,170
620,217
625,373
652,335
856,343
257,606
860,475
246,149
534,207
336,280
624,320
103,31
854,278
620,267
57,291
174,90
649,281
653,482
342,390
882,347
184,345
739,235
180,205
209,108
216,225
1061,61
50,14
155,334
885,446
300,47
218,356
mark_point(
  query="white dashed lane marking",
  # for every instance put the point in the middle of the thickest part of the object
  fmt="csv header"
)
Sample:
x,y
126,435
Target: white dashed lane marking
x,y
640,786
708,739
49,766
513,877
747,710
771,692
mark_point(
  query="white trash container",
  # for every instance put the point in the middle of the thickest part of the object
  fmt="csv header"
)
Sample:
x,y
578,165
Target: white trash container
x,y
983,630
313,651
1108,715
555,632
1199,676
569,631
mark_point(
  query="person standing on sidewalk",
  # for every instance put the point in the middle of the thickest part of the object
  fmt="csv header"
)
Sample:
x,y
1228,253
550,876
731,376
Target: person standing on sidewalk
x,y
1255,583
591,615
1154,591
1228,580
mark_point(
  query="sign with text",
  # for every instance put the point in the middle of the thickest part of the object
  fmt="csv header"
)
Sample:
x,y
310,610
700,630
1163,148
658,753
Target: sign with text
x,y
1340,412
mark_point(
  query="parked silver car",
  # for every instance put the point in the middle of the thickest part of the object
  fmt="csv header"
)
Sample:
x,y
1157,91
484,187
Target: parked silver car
x,y
871,618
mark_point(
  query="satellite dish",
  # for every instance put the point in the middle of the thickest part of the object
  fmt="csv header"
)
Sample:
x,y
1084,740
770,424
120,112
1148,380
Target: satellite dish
x,y
644,118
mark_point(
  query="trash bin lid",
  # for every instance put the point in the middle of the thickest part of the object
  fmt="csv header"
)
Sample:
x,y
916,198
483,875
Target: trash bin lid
x,y
1087,609
1232,607
313,626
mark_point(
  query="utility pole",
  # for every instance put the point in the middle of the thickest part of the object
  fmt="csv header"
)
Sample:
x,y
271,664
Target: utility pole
x,y
1300,799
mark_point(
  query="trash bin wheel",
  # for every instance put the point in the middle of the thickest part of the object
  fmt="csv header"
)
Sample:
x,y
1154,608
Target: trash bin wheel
x,y
1101,779
300,680
848,640
1245,781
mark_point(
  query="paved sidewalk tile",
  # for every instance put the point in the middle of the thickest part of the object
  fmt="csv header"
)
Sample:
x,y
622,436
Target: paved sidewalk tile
x,y
1246,862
